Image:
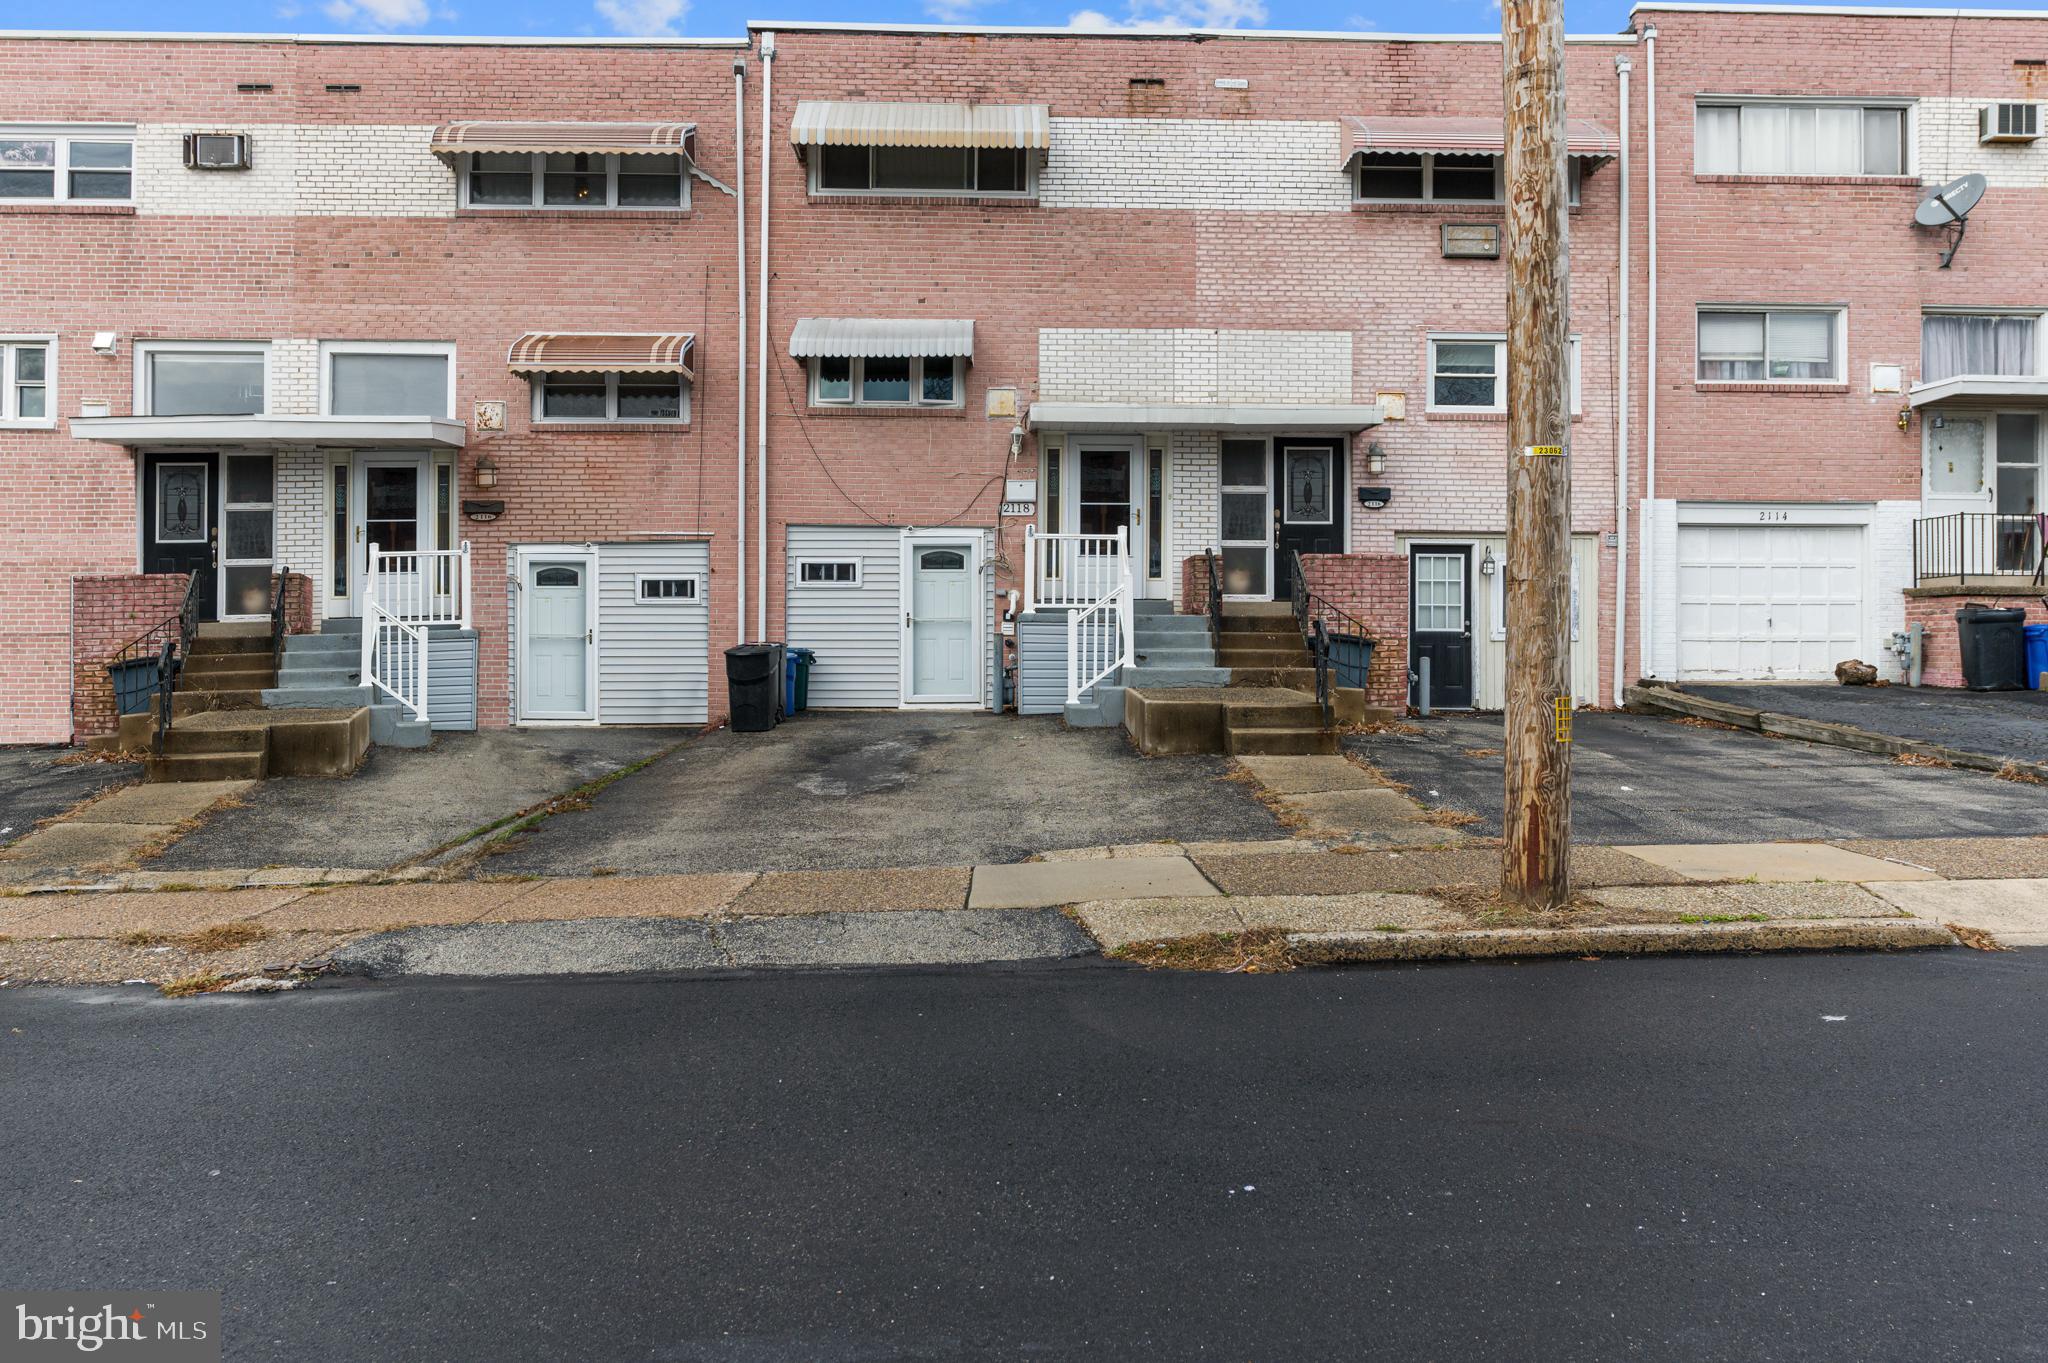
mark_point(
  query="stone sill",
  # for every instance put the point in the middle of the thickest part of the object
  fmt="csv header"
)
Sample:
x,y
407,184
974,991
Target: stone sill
x,y
541,428
1434,208
914,413
573,214
78,210
1877,181
1705,386
2019,587
1495,417
927,200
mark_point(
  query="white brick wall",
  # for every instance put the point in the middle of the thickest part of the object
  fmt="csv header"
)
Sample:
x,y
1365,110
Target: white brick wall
x,y
1891,572
301,517
1946,134
1232,164
310,171
1194,457
295,377
1190,364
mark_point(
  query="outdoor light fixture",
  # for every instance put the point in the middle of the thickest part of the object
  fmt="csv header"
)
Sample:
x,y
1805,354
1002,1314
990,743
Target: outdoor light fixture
x,y
486,472
1905,417
1487,566
1016,441
103,342
1375,458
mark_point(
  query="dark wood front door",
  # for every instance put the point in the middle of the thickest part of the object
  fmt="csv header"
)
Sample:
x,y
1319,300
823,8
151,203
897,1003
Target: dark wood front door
x,y
178,530
1440,623
1308,504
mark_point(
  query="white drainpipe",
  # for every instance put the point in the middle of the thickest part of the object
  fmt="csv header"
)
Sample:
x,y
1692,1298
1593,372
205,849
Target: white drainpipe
x,y
739,124
761,340
1646,592
1622,66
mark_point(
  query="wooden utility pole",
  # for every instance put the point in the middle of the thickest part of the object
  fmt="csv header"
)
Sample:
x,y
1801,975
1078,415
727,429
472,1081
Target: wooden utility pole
x,y
1536,820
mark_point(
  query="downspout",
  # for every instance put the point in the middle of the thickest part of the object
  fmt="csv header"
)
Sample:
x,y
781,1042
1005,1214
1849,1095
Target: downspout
x,y
1645,593
1623,65
739,123
761,339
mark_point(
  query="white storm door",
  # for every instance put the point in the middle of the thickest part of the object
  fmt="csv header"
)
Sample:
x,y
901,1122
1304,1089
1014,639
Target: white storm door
x,y
1958,472
390,511
940,625
557,645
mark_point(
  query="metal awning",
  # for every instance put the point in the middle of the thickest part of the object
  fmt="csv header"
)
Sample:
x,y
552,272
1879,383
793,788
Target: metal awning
x,y
597,352
1982,388
1292,418
631,139
213,432
842,123
1458,136
881,337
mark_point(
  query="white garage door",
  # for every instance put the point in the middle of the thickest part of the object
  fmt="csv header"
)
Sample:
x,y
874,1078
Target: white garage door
x,y
1768,601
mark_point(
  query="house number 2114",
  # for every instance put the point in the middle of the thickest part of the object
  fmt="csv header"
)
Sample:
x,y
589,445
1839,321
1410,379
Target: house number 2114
x,y
1774,515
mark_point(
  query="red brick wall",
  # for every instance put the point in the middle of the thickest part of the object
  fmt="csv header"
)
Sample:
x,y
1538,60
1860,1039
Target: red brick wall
x,y
1374,588
1941,658
1194,585
107,614
298,602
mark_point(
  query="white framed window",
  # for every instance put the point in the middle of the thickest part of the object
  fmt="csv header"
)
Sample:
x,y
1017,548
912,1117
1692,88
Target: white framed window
x,y
28,381
387,378
584,399
1801,137
202,378
1998,344
923,172
1469,373
651,589
1497,591
60,164
574,181
1436,177
1770,345
880,381
824,572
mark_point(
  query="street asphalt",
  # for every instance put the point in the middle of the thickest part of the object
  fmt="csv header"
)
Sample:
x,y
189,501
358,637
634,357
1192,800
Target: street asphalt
x,y
2001,723
1639,779
1737,1158
35,785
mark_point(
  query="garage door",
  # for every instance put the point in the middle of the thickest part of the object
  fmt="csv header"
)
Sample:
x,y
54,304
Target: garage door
x,y
1768,601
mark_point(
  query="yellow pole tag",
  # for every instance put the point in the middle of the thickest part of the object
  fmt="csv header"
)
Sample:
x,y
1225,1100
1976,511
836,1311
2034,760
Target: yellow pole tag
x,y
1543,451
1561,719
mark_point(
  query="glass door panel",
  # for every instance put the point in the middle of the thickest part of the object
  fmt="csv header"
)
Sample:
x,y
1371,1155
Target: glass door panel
x,y
248,535
1246,519
2018,491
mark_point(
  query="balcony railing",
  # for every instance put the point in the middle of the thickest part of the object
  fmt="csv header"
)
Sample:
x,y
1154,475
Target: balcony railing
x,y
1969,545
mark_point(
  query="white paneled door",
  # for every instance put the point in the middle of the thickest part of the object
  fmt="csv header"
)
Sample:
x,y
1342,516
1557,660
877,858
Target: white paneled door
x,y
1760,602
940,622
555,656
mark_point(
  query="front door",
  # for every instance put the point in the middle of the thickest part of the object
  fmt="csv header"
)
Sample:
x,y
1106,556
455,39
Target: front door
x,y
1308,510
1958,477
1440,623
2018,491
555,653
390,500
940,626
178,526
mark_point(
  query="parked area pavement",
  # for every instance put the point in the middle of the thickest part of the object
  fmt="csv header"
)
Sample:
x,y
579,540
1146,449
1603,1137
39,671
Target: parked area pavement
x,y
118,827
35,785
2012,724
1755,1158
858,789
1646,780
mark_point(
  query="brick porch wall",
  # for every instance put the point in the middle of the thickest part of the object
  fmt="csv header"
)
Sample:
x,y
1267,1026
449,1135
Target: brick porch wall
x,y
1194,586
107,614
1941,649
298,602
1373,587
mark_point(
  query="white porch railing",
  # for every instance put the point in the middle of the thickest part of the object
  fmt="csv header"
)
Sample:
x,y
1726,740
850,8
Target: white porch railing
x,y
395,658
404,593
1089,576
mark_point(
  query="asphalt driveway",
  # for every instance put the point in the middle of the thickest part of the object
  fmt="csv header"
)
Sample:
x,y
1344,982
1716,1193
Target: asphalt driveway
x,y
2001,723
852,789
35,785
1643,779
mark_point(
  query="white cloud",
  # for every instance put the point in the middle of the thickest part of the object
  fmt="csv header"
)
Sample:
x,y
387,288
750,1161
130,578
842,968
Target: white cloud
x,y
952,11
1155,14
644,18
377,15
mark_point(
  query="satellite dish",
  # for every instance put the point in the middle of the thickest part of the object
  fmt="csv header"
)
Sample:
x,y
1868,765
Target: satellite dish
x,y
1949,203
1949,206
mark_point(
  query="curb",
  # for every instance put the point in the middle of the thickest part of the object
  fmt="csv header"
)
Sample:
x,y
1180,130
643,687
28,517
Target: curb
x,y
1621,939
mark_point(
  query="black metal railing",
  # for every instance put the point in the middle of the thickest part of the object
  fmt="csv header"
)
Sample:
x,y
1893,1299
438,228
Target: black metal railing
x,y
1215,597
1980,544
166,688
277,628
1314,615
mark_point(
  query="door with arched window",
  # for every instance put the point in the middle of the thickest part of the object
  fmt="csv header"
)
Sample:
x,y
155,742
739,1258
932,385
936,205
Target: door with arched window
x,y
941,624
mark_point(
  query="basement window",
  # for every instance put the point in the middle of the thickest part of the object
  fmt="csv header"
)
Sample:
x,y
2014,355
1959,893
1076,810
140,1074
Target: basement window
x,y
665,591
816,572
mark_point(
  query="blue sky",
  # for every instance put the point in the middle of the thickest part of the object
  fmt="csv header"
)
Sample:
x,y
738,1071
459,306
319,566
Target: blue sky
x,y
726,18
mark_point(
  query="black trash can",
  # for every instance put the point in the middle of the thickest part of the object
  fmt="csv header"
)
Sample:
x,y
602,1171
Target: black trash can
x,y
1350,660
750,687
135,681
1994,647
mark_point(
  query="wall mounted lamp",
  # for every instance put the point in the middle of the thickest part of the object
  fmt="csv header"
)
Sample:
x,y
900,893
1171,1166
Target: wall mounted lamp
x,y
1487,566
1375,458
486,472
1016,441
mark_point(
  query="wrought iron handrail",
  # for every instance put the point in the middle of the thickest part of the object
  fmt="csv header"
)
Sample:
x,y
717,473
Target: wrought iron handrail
x,y
1215,597
1980,544
166,688
1313,614
277,629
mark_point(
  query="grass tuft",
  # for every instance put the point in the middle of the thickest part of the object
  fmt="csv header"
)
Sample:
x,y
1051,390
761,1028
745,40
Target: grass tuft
x,y
205,982
2025,775
224,936
1262,951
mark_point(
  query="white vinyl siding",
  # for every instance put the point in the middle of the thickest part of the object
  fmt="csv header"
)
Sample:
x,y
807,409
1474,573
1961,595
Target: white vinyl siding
x,y
856,628
653,657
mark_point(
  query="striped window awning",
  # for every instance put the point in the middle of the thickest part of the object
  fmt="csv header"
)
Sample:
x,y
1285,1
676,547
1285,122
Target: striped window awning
x,y
629,139
565,352
1464,137
842,123
880,338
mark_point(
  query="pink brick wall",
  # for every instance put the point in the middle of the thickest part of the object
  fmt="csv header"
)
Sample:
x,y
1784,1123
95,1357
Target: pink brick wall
x,y
1373,588
107,614
1941,658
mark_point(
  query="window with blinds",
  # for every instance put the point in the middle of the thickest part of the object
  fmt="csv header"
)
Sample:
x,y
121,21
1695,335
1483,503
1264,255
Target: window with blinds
x,y
1770,345
1764,138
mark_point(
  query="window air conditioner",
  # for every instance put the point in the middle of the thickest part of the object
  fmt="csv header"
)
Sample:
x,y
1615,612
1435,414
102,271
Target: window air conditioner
x,y
2011,121
217,151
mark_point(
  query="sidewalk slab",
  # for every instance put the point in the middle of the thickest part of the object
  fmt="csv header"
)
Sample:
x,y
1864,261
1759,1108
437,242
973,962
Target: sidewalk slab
x,y
1781,899
591,946
927,887
912,937
2013,911
683,896
379,906
110,915
1310,775
1962,858
1118,922
1032,885
159,802
1411,871
1774,861
1344,912
1364,811
76,845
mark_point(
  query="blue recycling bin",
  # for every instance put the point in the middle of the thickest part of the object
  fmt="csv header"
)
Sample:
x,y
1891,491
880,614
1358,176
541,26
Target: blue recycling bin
x,y
796,679
2037,657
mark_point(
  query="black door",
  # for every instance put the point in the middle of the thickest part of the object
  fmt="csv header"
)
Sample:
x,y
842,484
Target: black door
x,y
1308,504
1440,623
178,532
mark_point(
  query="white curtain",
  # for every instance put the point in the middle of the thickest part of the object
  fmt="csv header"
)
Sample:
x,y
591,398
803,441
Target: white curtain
x,y
1884,142
1951,345
1766,135
1731,346
1717,140
1838,141
1802,345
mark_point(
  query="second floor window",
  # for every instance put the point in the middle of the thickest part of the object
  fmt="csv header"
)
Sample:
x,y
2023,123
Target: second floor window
x,y
920,170
880,381
1470,374
25,378
369,378
1770,346
1763,138
610,397
574,180
196,379
1991,344
56,165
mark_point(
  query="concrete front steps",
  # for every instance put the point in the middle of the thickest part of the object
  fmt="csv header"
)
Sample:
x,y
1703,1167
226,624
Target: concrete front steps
x,y
1171,650
324,671
1242,721
250,745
